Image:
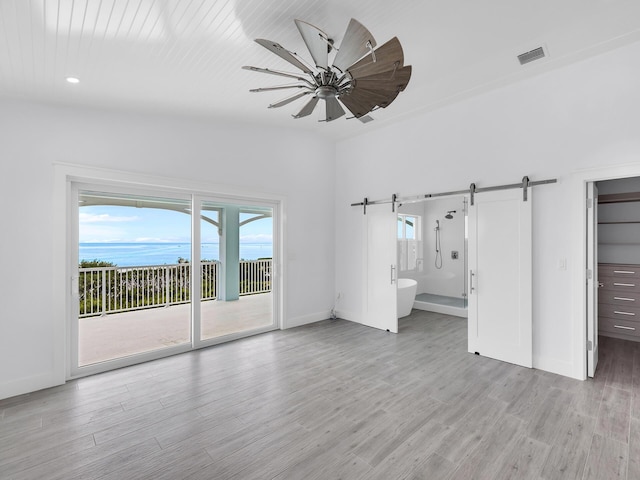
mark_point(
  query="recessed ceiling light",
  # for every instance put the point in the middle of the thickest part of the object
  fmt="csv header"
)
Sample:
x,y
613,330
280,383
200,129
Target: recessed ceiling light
x,y
73,80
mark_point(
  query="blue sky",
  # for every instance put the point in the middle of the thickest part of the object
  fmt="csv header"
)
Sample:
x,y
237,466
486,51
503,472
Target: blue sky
x,y
106,224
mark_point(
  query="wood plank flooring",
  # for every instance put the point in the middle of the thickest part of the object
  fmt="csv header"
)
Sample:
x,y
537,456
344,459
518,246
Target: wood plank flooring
x,y
333,400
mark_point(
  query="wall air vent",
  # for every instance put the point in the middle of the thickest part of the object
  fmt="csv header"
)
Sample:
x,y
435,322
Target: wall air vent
x,y
531,56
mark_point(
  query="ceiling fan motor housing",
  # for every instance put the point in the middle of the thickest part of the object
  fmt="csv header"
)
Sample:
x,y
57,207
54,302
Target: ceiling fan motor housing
x,y
326,91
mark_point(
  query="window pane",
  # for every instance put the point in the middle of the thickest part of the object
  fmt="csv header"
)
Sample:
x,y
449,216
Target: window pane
x,y
410,227
236,280
134,254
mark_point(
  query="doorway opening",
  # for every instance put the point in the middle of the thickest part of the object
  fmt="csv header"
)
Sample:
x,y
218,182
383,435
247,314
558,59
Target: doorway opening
x,y
613,263
432,250
159,273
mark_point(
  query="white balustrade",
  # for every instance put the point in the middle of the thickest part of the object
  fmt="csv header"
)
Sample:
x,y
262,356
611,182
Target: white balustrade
x,y
104,290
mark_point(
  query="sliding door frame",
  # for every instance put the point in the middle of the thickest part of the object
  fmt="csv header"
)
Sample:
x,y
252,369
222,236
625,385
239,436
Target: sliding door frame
x,y
77,370
196,236
65,253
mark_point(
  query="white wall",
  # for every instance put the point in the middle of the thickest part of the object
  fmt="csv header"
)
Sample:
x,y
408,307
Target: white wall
x,y
583,116
295,165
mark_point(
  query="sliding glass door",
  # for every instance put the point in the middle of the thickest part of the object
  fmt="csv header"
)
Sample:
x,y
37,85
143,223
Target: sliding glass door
x,y
159,274
236,258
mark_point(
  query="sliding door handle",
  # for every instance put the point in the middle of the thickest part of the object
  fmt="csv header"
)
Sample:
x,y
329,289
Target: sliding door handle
x,y
393,271
471,275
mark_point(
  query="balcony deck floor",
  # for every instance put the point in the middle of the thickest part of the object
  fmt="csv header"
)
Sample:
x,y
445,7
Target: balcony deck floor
x,y
122,334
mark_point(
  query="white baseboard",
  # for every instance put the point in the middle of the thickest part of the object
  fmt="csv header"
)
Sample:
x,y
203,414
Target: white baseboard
x,y
28,385
350,316
565,369
446,309
306,319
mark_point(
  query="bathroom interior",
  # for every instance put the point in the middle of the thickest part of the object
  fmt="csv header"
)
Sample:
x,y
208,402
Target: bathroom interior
x,y
432,250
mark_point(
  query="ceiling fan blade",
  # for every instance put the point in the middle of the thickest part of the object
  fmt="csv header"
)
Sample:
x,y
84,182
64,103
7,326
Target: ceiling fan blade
x,y
366,119
280,87
372,98
317,43
354,46
308,108
358,106
334,109
283,53
391,81
277,72
387,57
288,100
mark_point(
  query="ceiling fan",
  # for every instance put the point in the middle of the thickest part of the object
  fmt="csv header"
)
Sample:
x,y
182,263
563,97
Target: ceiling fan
x,y
361,77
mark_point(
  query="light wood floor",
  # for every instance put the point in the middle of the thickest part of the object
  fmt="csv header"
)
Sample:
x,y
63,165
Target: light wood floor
x,y
332,400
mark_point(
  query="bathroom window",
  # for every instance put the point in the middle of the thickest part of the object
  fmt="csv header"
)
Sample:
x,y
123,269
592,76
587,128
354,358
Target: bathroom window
x,y
408,242
407,227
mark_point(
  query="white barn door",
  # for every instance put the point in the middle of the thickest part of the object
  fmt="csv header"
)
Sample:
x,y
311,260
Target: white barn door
x,y
380,275
500,319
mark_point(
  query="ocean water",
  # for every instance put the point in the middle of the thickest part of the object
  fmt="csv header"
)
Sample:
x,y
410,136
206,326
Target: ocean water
x,y
138,254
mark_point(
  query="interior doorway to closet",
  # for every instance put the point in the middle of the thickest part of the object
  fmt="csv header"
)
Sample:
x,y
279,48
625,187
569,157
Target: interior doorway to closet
x,y
613,263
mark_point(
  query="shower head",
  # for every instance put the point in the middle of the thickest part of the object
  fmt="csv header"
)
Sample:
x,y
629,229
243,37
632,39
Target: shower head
x,y
449,214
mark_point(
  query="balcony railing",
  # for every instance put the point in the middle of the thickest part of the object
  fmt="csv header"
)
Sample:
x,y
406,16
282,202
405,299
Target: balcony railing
x,y
105,290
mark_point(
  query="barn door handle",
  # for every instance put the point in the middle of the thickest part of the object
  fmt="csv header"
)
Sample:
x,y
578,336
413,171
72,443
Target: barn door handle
x,y
393,271
471,275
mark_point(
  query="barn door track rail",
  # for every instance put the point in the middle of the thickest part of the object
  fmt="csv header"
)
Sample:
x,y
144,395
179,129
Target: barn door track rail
x,y
473,189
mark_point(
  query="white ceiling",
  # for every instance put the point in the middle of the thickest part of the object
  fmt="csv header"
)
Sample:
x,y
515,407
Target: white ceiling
x,y
185,56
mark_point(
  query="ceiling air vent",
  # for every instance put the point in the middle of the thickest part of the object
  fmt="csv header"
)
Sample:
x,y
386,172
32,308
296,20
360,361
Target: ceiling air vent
x,y
528,57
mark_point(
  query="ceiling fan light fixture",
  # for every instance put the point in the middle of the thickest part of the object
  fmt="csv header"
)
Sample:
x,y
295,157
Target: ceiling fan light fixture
x,y
361,78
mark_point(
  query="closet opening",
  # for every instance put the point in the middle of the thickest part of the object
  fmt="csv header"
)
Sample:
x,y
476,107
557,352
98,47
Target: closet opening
x,y
617,249
614,300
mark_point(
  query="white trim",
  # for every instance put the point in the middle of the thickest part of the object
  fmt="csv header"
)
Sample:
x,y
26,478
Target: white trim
x,y
578,188
437,308
349,316
307,319
73,328
30,384
67,174
554,366
128,361
210,342
61,272
108,176
196,279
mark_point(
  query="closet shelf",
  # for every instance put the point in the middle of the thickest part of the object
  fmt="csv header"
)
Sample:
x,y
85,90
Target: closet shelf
x,y
635,244
619,197
619,223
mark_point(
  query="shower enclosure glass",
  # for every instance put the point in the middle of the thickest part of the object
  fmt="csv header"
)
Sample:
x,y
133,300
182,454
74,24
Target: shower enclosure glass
x,y
432,249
